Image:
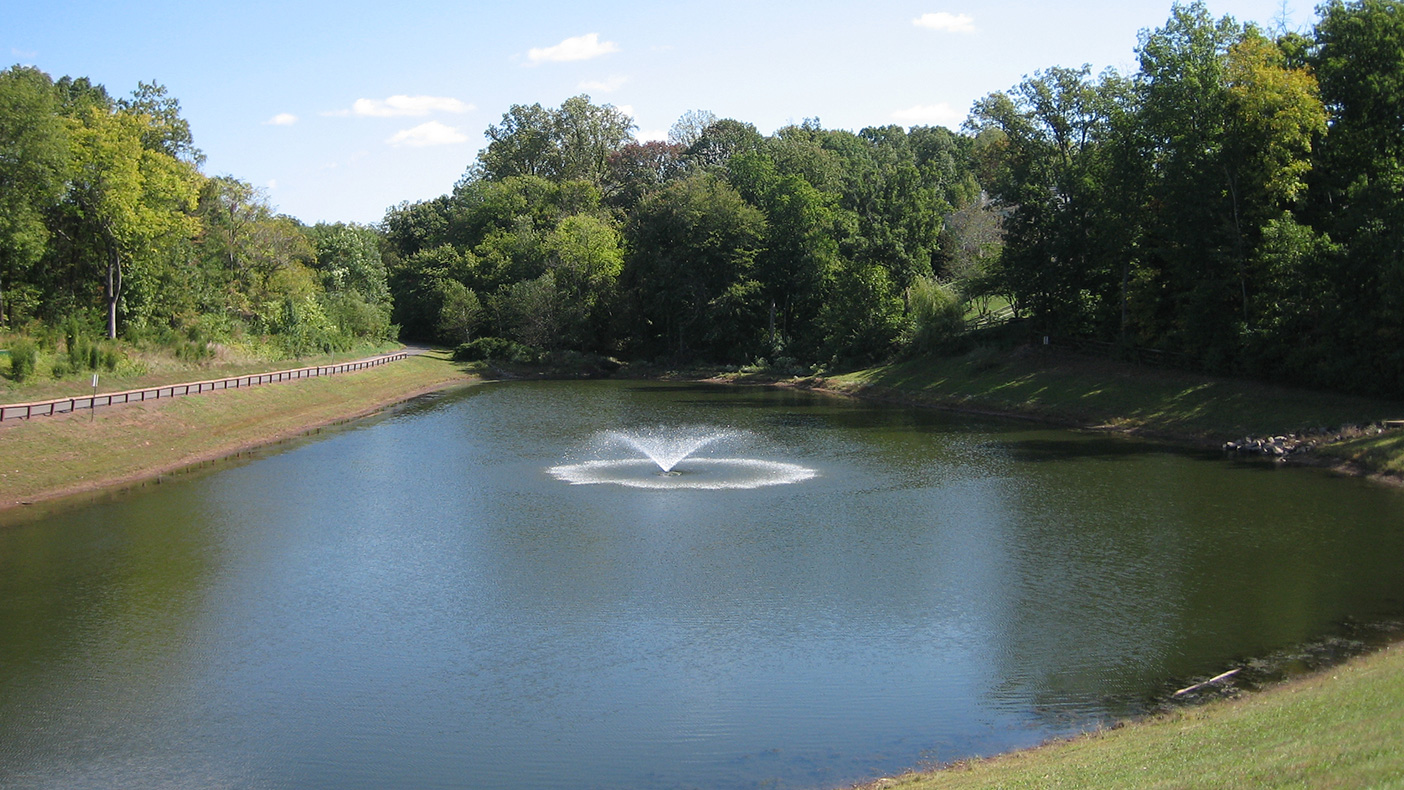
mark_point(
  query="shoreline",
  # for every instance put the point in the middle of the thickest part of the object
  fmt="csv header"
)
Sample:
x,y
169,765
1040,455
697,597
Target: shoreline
x,y
244,436
896,396
447,378
138,478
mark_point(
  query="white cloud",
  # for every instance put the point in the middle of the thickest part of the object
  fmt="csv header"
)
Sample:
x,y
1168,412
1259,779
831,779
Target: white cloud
x,y
627,109
402,106
281,119
272,183
651,135
604,86
941,114
579,48
427,134
946,23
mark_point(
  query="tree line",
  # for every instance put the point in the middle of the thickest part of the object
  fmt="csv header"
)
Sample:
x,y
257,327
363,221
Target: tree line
x,y
108,225
1237,201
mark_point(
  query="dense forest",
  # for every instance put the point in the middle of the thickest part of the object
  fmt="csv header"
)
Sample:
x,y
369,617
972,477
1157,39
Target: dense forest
x,y
108,227
1236,204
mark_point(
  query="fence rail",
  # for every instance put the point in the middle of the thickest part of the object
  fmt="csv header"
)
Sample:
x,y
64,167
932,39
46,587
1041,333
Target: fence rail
x,y
24,411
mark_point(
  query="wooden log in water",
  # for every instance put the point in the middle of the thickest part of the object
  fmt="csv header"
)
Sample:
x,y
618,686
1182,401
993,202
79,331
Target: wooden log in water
x,y
1208,682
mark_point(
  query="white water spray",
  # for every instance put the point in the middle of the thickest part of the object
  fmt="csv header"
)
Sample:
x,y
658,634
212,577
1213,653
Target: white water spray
x,y
668,462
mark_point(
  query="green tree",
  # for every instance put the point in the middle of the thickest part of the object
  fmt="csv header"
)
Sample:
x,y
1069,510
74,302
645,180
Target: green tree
x,y
572,142
1228,125
720,141
688,275
348,256
33,165
460,312
587,136
133,197
1359,185
523,144
796,267
1056,133
248,245
165,130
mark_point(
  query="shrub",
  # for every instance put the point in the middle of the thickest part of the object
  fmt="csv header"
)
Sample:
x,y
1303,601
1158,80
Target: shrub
x,y
497,349
937,316
24,356
111,357
191,351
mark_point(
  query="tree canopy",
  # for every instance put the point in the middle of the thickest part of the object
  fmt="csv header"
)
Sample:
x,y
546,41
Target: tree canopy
x,y
1236,201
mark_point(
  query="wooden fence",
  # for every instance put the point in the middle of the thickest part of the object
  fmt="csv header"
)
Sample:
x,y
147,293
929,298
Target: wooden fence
x,y
24,411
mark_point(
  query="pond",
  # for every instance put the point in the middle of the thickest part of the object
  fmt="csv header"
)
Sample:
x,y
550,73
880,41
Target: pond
x,y
440,597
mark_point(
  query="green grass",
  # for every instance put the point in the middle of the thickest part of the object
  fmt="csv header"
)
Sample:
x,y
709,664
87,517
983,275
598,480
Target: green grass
x,y
1340,728
1091,392
1383,453
50,456
146,368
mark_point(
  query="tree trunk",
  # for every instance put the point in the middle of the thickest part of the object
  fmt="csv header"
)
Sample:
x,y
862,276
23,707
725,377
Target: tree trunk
x,y
114,288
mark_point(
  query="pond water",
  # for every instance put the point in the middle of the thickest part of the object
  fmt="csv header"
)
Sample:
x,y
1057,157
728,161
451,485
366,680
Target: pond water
x,y
427,600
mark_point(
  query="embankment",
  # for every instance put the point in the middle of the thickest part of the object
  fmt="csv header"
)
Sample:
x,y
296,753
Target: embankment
x,y
50,457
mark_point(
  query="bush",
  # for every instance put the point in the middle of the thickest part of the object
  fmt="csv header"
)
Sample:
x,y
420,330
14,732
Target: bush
x,y
496,349
937,316
24,357
191,351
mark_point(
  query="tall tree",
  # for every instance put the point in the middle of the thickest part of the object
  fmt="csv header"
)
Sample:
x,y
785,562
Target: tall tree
x,y
572,142
133,197
588,135
797,265
1228,123
1359,184
690,271
33,164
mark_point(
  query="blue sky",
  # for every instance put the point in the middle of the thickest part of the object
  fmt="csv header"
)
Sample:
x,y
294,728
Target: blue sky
x,y
340,110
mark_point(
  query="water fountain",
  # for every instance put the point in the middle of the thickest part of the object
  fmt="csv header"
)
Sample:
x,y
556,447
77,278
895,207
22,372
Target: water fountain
x,y
666,460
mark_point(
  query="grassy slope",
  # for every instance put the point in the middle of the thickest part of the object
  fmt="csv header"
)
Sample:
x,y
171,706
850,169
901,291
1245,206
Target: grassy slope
x,y
50,456
1083,391
154,369
1340,728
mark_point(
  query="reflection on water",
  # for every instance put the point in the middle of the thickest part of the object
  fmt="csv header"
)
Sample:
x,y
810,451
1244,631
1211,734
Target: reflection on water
x,y
421,602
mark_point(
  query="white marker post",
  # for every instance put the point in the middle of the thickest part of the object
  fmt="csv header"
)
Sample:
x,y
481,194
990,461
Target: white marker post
x,y
92,407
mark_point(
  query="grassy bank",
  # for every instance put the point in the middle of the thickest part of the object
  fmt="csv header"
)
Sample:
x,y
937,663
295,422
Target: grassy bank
x,y
1087,392
1339,728
52,456
141,369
